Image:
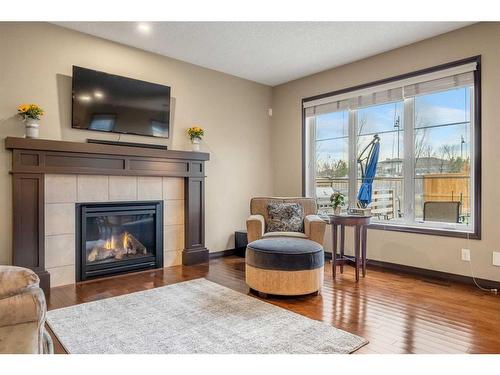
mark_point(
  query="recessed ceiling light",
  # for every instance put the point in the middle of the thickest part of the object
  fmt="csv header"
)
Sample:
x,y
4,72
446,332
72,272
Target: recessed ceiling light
x,y
144,28
98,94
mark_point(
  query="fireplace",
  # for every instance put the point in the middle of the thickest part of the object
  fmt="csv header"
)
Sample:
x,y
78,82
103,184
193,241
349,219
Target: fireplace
x,y
118,237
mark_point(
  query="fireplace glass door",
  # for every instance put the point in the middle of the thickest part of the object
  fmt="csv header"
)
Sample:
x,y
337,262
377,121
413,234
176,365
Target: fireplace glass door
x,y
118,237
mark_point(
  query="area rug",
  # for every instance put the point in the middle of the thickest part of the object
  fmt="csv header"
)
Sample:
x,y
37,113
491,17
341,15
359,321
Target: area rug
x,y
196,316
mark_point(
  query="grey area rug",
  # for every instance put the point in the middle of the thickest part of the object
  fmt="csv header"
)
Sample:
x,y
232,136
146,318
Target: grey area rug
x,y
196,316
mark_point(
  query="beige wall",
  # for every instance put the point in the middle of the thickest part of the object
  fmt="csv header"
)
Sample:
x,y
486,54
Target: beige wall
x,y
35,66
437,253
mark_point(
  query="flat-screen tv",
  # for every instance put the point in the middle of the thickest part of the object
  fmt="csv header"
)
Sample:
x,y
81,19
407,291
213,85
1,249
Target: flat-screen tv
x,y
110,103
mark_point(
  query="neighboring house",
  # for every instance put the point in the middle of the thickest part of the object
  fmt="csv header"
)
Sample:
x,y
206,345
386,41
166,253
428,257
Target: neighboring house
x,y
424,165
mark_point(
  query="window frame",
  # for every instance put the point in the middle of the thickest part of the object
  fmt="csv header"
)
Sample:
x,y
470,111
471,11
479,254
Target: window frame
x,y
476,150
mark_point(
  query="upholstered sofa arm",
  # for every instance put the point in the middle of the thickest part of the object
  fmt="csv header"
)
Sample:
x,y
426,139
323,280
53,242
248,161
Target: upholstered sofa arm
x,y
314,228
15,280
22,312
48,344
23,308
255,227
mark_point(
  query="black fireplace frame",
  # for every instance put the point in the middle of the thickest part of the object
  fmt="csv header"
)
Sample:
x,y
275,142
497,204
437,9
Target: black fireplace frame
x,y
85,271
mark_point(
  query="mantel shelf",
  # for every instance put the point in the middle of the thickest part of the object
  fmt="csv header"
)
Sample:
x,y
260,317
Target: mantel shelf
x,y
91,148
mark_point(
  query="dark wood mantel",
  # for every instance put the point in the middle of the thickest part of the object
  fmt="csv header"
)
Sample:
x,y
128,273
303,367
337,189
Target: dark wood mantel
x,y
33,158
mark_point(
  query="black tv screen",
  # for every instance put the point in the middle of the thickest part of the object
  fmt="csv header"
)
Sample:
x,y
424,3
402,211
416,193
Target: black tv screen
x,y
110,103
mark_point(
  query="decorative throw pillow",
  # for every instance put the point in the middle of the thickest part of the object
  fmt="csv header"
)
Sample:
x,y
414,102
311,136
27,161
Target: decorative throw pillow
x,y
285,217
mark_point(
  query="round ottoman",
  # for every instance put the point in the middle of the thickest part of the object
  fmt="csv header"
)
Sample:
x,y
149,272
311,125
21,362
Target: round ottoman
x,y
284,266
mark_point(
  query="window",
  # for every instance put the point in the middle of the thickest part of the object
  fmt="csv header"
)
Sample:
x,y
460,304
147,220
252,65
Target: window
x,y
331,155
429,165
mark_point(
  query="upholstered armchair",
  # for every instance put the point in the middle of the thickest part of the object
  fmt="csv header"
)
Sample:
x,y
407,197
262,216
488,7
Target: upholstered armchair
x,y
22,313
257,223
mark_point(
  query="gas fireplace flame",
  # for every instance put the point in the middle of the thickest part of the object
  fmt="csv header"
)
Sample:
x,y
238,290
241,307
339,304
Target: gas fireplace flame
x,y
126,240
117,247
110,244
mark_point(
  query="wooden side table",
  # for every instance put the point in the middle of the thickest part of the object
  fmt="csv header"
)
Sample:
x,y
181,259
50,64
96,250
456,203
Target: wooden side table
x,y
360,224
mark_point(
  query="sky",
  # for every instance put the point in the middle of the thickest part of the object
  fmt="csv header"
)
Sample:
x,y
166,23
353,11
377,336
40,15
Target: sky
x,y
446,107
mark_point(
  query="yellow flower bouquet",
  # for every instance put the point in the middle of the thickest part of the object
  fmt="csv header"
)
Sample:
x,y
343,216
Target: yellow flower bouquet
x,y
30,111
31,114
195,132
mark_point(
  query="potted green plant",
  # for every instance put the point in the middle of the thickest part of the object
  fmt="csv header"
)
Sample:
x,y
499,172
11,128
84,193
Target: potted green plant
x,y
337,200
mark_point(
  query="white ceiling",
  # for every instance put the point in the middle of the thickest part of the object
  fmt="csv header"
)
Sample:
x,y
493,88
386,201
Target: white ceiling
x,y
267,52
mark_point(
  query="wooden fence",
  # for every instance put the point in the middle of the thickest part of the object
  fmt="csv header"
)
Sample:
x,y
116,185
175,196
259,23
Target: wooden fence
x,y
447,187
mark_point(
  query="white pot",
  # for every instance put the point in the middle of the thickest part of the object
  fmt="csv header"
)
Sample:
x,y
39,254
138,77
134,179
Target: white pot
x,y
337,210
32,128
196,144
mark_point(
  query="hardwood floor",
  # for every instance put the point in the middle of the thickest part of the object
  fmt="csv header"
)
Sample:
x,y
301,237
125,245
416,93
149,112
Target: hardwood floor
x,y
396,313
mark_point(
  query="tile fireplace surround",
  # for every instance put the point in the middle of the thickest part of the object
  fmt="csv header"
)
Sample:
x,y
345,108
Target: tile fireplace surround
x,y
49,177
62,192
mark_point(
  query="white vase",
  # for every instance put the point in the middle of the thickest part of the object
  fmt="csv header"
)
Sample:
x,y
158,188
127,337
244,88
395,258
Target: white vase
x,y
195,142
337,210
32,128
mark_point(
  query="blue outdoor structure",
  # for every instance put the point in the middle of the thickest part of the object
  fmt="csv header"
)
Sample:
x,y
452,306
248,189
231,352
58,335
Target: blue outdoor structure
x,y
365,190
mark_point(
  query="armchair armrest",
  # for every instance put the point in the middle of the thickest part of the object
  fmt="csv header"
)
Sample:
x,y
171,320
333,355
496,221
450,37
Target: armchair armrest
x,y
16,280
48,344
23,308
255,227
314,228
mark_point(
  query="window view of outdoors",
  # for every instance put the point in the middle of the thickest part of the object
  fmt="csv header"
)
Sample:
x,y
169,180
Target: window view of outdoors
x,y
442,155
442,174
332,157
386,120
